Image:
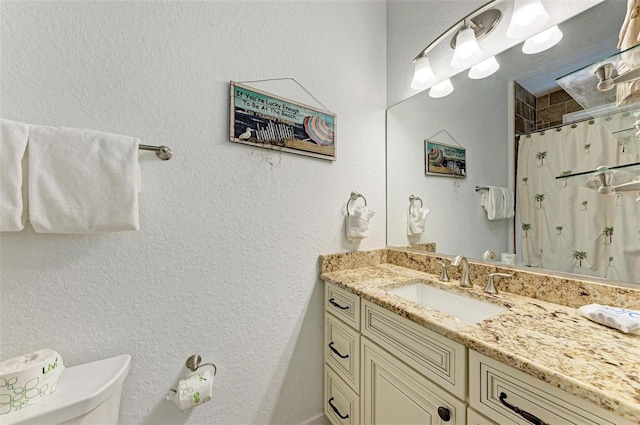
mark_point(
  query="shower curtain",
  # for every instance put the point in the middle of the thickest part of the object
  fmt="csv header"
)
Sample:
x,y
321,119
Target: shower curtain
x,y
566,226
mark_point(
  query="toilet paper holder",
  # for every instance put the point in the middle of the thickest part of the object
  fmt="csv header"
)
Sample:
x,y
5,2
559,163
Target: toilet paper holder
x,y
194,362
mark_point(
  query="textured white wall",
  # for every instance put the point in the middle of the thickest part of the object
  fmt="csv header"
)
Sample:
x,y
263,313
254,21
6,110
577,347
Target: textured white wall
x,y
225,263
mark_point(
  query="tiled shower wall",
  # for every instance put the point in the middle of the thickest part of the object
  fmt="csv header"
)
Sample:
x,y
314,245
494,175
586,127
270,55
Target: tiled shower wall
x,y
552,106
537,113
525,110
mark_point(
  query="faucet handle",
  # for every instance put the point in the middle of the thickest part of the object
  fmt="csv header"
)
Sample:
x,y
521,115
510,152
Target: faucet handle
x,y
444,277
490,288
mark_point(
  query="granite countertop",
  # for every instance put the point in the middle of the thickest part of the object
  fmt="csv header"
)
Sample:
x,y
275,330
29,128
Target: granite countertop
x,y
548,341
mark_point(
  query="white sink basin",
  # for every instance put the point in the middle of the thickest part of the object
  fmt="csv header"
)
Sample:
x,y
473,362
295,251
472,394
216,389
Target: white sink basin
x,y
467,309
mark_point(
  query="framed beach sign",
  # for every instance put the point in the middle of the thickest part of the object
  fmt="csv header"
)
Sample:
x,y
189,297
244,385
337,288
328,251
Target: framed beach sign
x,y
444,160
262,119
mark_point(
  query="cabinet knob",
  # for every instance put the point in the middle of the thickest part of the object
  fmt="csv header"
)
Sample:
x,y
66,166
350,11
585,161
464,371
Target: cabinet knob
x,y
444,413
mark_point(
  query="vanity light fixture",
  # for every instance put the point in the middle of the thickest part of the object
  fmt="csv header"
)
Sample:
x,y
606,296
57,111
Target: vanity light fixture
x,y
423,76
467,51
442,89
528,17
543,41
483,69
468,32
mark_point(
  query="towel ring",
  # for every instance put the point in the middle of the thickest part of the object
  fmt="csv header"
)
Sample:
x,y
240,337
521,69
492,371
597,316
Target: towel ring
x,y
354,196
412,199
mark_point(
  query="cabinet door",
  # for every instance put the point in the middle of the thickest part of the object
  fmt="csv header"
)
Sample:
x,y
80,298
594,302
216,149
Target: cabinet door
x,y
475,418
395,394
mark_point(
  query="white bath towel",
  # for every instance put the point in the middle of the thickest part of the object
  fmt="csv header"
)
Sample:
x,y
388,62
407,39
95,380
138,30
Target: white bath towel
x,y
82,181
509,209
13,142
358,223
498,203
416,220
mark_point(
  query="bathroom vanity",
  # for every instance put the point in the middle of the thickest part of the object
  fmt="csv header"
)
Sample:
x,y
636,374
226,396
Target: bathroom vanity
x,y
391,360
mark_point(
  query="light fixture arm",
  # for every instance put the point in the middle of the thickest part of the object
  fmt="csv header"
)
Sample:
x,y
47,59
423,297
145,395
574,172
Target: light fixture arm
x,y
468,23
456,27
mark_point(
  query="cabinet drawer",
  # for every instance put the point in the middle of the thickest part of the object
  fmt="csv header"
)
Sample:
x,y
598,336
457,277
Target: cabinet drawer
x,y
393,393
494,386
343,304
342,350
441,360
341,404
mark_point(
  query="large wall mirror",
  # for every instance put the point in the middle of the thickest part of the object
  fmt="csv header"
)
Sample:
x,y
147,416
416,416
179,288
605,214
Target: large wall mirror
x,y
480,116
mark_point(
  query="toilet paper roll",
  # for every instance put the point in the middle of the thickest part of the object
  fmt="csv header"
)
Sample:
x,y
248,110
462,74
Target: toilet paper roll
x,y
193,391
29,379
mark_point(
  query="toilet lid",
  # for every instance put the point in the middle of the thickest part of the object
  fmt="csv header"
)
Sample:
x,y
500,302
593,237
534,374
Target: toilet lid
x,y
80,389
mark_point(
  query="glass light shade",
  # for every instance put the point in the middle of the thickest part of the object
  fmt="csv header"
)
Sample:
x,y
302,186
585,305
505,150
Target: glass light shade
x,y
484,68
423,76
528,17
543,41
441,89
467,50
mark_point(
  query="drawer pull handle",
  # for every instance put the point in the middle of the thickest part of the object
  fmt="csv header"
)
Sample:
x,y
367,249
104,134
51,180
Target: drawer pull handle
x,y
444,413
332,301
528,416
335,409
337,352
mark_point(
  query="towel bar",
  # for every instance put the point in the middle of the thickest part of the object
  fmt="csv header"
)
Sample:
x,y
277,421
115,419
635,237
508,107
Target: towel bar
x,y
481,188
163,152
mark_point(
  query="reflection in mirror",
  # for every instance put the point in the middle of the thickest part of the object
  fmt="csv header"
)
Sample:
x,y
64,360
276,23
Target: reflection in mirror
x,y
481,116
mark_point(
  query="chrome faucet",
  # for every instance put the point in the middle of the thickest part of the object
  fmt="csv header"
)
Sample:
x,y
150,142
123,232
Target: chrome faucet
x,y
465,282
490,288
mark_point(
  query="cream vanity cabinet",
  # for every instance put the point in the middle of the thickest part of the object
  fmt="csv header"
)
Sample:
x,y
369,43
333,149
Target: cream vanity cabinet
x,y
381,368
371,359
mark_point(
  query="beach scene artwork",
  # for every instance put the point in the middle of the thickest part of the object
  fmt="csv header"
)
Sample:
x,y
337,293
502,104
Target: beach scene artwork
x,y
263,119
445,160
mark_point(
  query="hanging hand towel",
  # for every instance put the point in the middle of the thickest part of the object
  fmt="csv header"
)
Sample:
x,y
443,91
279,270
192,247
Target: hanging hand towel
x,y
509,204
498,202
13,142
358,223
416,220
82,181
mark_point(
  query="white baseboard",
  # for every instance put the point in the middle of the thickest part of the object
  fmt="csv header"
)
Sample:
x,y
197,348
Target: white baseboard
x,y
321,419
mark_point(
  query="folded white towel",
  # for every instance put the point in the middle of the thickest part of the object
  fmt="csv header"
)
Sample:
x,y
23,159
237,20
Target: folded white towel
x,y
509,203
82,181
13,142
498,202
628,321
358,223
416,220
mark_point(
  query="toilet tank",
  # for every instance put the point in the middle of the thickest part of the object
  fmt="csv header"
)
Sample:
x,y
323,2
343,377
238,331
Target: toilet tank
x,y
88,394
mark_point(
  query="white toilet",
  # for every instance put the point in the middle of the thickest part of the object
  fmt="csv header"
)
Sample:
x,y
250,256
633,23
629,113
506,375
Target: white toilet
x,y
87,394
